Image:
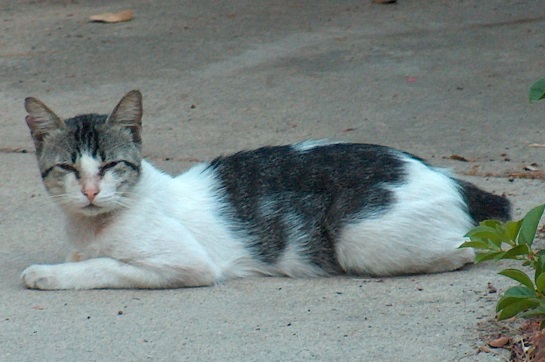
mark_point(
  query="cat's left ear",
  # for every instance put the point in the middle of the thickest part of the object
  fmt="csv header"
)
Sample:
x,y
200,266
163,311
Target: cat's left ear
x,y
128,113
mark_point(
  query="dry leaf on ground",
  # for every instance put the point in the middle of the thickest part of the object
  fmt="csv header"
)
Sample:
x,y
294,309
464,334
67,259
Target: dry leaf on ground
x,y
13,150
121,16
532,175
538,344
461,158
530,168
499,342
522,338
491,288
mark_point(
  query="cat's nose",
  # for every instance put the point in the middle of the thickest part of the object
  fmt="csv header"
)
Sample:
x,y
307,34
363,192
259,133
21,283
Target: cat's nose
x,y
90,192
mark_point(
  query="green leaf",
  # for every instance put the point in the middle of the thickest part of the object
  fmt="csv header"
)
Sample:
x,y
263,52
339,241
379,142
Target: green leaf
x,y
540,283
480,257
483,233
542,324
477,245
518,276
507,301
529,225
512,229
495,224
518,307
517,250
534,313
520,291
537,91
514,295
539,265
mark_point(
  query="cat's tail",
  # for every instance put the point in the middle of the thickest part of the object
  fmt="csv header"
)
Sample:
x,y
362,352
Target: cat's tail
x,y
483,205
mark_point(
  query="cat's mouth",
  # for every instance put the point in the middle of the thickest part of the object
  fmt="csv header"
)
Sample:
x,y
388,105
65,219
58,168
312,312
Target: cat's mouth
x,y
92,210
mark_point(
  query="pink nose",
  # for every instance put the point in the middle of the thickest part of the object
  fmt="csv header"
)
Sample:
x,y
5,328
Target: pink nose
x,y
90,192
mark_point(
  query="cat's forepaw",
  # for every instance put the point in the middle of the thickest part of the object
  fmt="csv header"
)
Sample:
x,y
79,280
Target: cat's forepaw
x,y
41,277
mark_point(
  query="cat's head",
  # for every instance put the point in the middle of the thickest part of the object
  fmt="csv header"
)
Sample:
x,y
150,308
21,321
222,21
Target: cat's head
x,y
89,163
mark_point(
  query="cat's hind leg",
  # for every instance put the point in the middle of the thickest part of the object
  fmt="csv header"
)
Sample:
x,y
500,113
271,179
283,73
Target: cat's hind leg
x,y
419,232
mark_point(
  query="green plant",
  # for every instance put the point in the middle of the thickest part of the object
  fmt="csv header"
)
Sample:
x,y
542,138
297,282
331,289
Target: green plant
x,y
494,240
537,91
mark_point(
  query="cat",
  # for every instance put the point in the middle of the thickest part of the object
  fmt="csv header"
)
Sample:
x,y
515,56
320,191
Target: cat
x,y
315,208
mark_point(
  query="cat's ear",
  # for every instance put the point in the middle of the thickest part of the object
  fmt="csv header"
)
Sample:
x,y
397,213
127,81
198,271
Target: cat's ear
x,y
128,113
41,120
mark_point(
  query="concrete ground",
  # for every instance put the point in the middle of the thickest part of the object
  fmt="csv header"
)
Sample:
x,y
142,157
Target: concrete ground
x,y
436,78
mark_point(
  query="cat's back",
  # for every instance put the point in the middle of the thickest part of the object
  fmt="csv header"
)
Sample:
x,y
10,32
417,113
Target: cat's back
x,y
312,166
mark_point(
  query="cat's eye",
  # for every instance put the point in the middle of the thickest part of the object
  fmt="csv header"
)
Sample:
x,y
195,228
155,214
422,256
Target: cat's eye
x,y
107,166
67,167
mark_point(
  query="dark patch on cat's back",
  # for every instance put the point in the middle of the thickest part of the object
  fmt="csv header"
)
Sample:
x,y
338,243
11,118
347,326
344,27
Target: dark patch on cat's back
x,y
322,187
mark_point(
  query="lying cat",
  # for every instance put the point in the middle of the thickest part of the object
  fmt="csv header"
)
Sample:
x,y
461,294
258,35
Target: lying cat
x,y
311,209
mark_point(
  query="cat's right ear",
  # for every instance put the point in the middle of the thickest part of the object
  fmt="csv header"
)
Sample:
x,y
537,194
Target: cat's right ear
x,y
41,120
128,113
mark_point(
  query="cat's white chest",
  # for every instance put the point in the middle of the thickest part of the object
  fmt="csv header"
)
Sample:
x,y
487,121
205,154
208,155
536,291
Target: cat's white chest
x,y
91,239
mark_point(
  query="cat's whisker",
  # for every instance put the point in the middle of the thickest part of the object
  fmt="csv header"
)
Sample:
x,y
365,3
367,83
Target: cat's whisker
x,y
64,201
61,199
40,200
124,202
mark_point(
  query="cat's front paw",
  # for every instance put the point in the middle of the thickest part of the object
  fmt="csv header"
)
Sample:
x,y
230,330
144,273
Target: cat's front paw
x,y
41,277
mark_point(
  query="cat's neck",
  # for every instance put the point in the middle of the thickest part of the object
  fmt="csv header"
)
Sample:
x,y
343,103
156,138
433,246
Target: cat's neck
x,y
89,224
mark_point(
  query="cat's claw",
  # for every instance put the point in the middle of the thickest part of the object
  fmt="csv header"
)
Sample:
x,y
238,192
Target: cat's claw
x,y
40,277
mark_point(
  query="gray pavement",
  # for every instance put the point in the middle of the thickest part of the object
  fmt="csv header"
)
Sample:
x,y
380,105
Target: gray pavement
x,y
435,78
